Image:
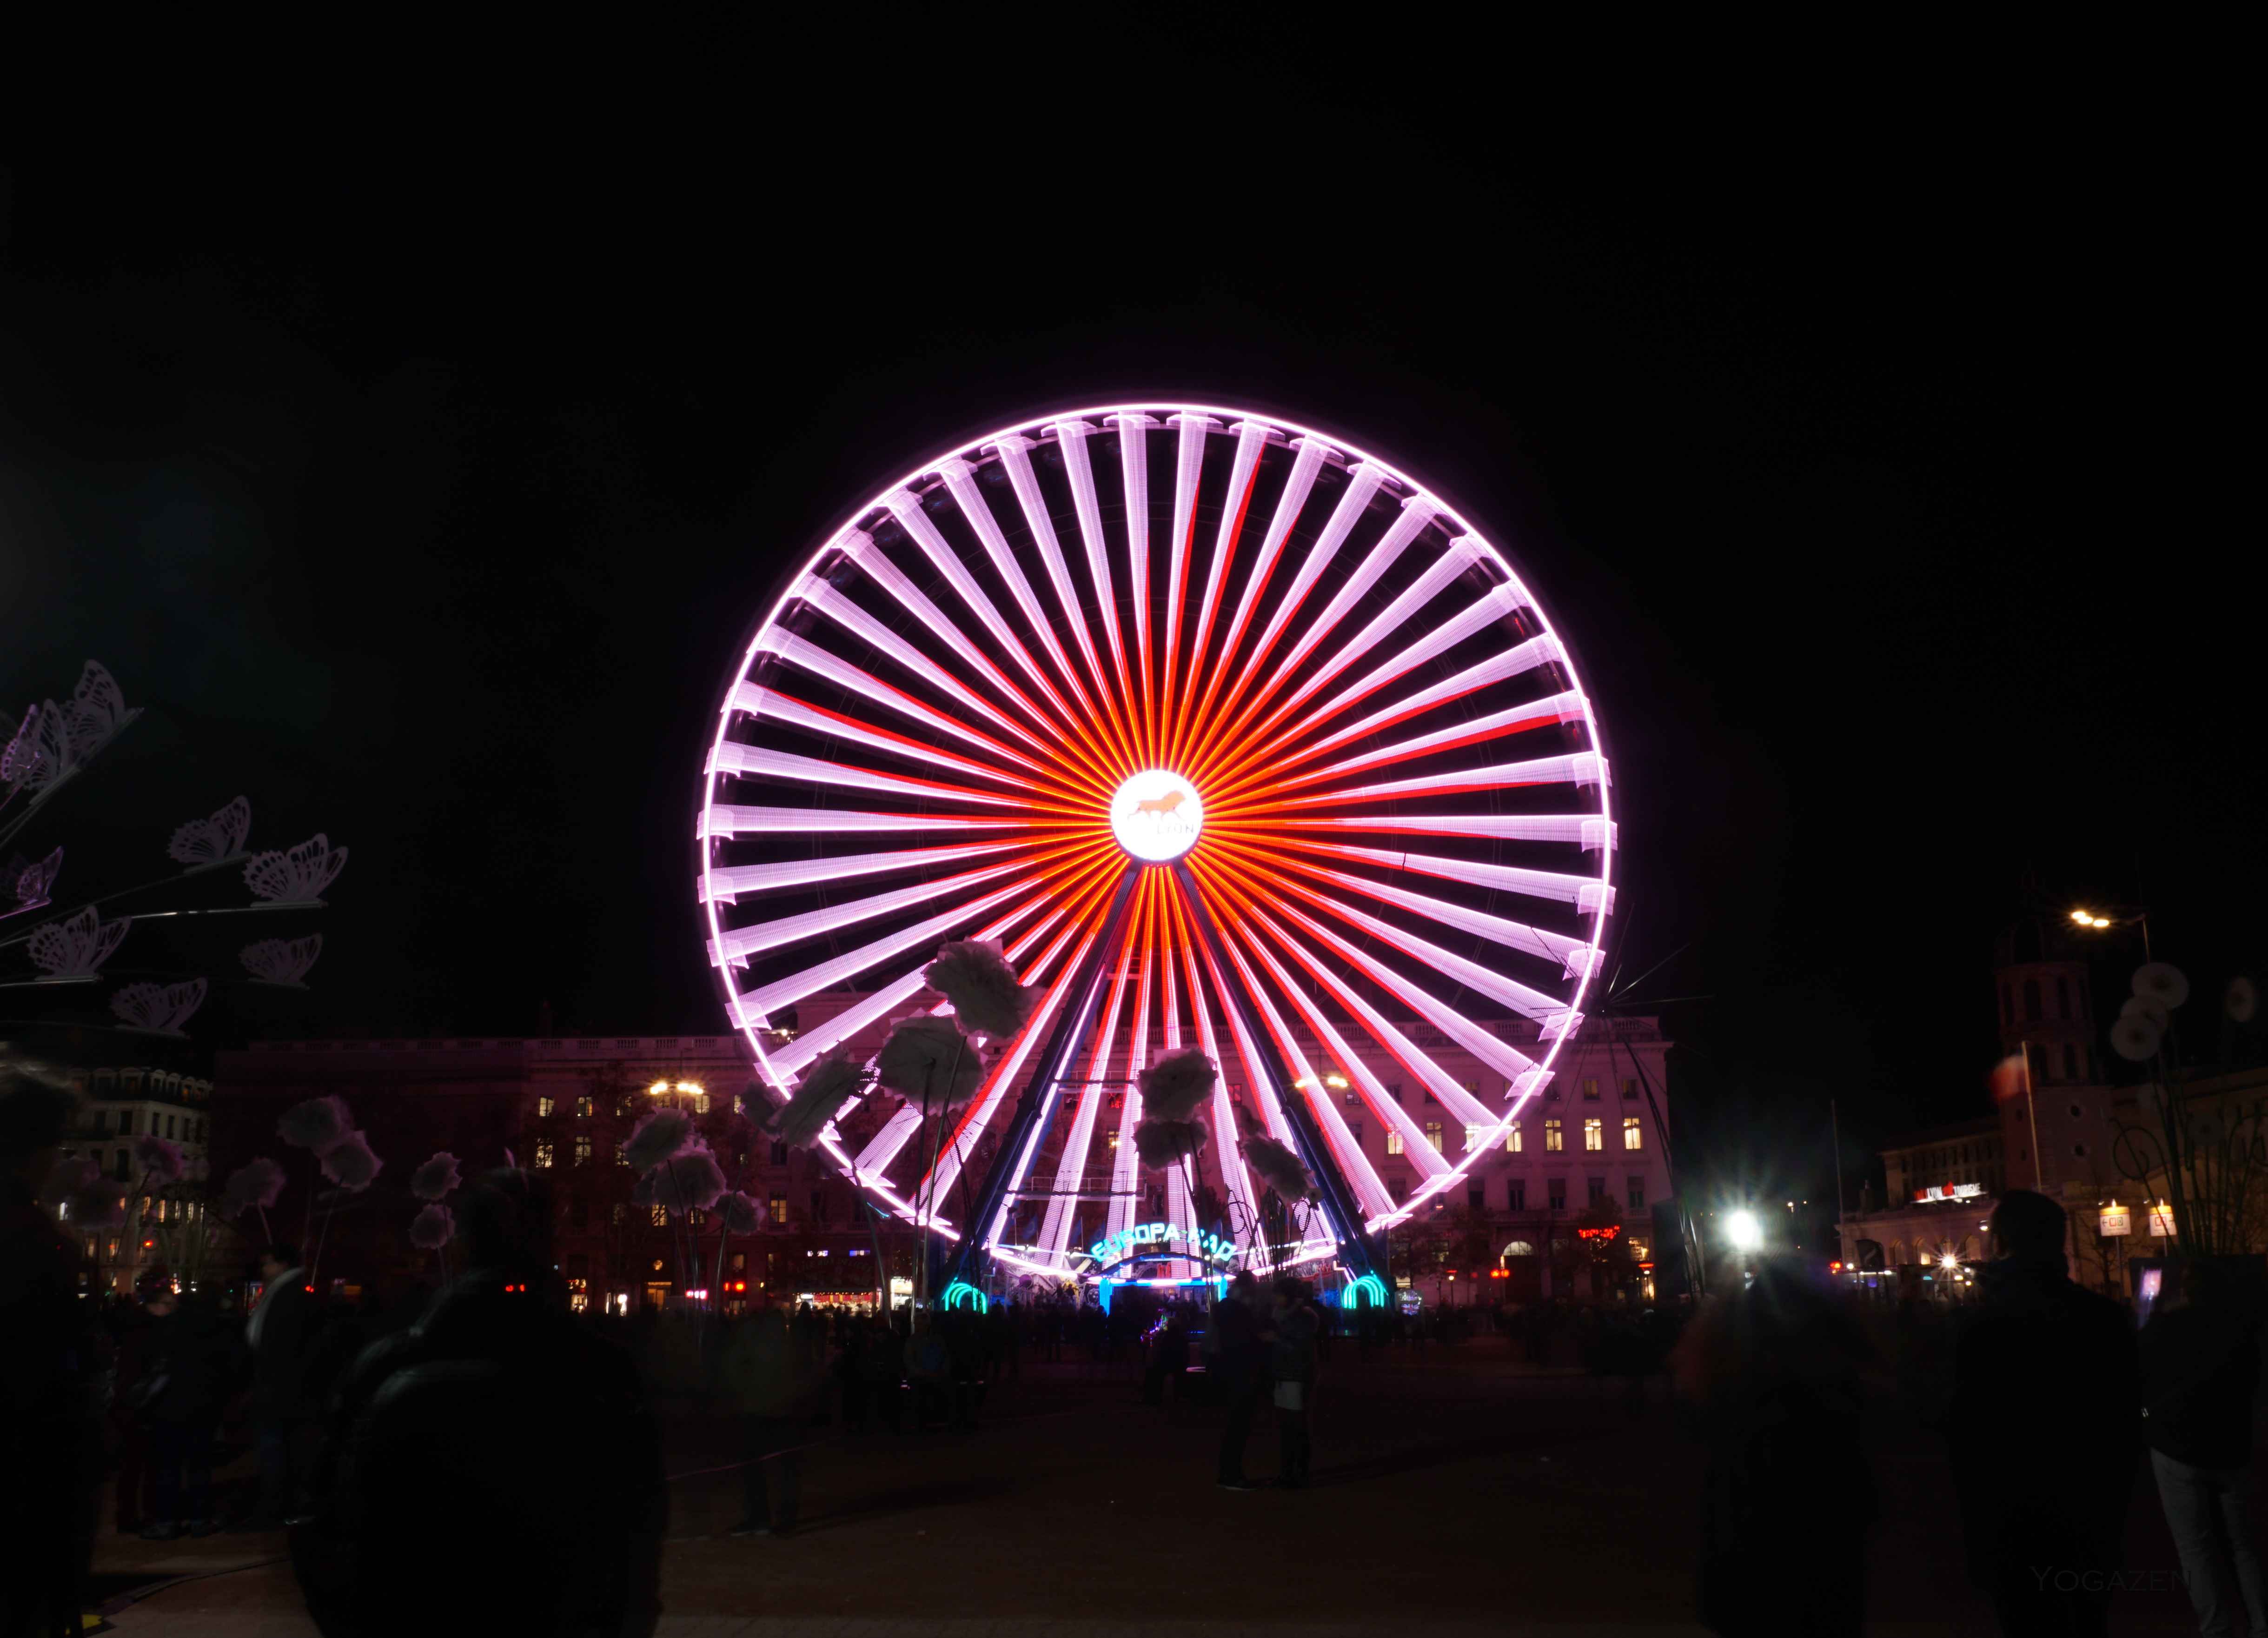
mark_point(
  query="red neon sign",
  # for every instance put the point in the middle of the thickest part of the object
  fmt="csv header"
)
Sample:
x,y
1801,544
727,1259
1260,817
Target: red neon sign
x,y
1611,1231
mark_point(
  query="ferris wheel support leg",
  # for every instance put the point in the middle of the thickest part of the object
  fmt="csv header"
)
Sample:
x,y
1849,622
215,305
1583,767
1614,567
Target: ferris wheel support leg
x,y
1341,1210
1072,1024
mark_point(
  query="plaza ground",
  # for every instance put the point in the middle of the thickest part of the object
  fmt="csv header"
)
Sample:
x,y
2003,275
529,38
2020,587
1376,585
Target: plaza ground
x,y
1453,1491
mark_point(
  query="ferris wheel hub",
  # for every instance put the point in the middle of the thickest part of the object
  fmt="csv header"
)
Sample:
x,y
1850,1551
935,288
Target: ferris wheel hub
x,y
1156,816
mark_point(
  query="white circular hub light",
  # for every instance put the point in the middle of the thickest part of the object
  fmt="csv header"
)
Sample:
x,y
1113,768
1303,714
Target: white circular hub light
x,y
1156,816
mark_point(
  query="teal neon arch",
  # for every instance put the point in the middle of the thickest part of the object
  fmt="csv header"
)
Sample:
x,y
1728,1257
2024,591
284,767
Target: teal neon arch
x,y
1364,1283
960,1294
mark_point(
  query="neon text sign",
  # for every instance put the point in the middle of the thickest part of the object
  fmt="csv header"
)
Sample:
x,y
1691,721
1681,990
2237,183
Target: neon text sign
x,y
1128,1242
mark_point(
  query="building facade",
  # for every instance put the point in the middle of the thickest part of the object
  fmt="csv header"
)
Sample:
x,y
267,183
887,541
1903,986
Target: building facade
x,y
117,1105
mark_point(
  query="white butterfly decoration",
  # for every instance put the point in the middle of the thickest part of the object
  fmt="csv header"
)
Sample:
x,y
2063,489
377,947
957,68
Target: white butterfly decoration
x,y
32,884
282,960
160,1008
298,875
213,841
74,947
54,741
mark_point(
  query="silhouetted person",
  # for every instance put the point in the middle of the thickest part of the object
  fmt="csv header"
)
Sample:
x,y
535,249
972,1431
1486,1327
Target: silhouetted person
x,y
494,1467
1240,1359
133,1328
192,1353
2044,1458
50,1448
277,1333
1773,1373
770,1386
2200,1368
1292,1354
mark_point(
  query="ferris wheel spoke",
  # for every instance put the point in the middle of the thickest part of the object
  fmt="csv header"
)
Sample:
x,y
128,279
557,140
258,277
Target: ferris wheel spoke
x,y
875,564
1522,1071
1278,777
835,725
1466,1106
726,820
1134,472
961,483
1388,1109
1071,1163
1189,473
762,762
1579,768
1235,1177
1455,561
1124,1170
1586,893
993,1094
739,943
1416,513
1589,831
1244,472
726,883
847,614
1499,667
1297,485
1071,437
1016,457
1370,1190
807,656
1364,481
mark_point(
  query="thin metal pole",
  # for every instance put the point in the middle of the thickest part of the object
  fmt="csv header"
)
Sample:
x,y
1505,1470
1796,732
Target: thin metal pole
x,y
1834,1124
2031,1115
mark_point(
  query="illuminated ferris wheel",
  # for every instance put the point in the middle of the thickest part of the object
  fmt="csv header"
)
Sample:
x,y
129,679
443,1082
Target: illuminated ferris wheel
x,y
1235,739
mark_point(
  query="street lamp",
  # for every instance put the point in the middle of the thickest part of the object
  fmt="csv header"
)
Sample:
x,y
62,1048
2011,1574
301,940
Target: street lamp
x,y
1742,1229
2093,921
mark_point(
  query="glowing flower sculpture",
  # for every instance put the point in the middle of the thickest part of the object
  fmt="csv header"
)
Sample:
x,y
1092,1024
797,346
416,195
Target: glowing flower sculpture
x,y
436,1178
351,1162
660,1134
158,1160
1280,1168
688,1181
830,1084
254,1186
315,1125
926,1060
980,985
433,1228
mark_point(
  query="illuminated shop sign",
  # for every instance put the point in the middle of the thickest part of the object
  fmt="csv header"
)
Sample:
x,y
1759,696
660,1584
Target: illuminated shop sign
x,y
1172,1236
1949,1191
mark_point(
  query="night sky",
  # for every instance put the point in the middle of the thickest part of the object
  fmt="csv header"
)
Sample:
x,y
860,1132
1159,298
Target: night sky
x,y
424,485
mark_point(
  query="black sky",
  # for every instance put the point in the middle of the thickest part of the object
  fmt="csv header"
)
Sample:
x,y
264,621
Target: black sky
x,y
423,474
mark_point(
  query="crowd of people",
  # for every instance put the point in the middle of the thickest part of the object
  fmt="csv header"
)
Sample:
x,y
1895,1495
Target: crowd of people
x,y
429,1437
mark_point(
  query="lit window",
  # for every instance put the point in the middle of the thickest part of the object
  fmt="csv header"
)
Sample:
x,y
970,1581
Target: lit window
x,y
1513,1139
693,1218
1632,1137
583,1151
1354,1130
1393,1141
739,1261
1433,1134
1473,1137
700,1103
583,1108
542,1107
779,1209
1591,1090
1630,1088
1113,1137
1472,1085
622,1155
660,1215
542,1152
1554,1139
1594,1136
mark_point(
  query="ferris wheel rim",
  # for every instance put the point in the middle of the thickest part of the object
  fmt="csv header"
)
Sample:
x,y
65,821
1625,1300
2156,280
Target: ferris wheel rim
x,y
1353,455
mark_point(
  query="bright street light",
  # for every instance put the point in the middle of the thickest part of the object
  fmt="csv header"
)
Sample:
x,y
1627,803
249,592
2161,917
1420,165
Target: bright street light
x,y
1743,1231
2088,919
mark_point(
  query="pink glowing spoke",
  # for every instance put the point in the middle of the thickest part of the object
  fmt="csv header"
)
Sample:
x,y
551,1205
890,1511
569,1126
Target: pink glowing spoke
x,y
827,975
1363,482
1417,513
761,702
907,510
1235,1177
1073,436
1586,893
1446,1088
1016,457
1352,1164
836,725
1501,1056
1521,718
1383,1104
819,662
1582,768
876,566
1071,1165
1134,470
728,882
756,760
1123,1169
1255,1073
740,944
868,629
1308,462
890,1140
1188,467
1522,998
1482,673
961,483
726,819
1023,1165
1588,831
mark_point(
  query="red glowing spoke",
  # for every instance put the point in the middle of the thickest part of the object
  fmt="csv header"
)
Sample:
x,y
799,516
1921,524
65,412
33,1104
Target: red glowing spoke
x,y
1236,1179
1521,718
1244,471
1188,467
1134,472
837,726
1308,462
1482,673
731,881
1073,436
1070,1164
761,761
